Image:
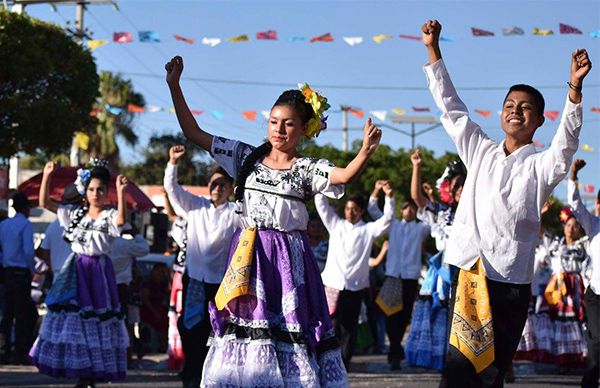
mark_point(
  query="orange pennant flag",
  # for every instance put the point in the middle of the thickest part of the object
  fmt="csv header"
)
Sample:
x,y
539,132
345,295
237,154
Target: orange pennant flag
x,y
181,38
484,113
552,114
135,108
250,115
322,38
356,112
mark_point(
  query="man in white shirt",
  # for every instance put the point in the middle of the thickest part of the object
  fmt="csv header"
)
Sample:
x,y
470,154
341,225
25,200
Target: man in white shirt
x,y
498,218
347,266
16,245
211,225
403,261
591,224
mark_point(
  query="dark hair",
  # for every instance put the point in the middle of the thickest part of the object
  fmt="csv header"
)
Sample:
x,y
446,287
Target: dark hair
x,y
296,100
100,173
20,202
359,200
538,99
410,202
221,171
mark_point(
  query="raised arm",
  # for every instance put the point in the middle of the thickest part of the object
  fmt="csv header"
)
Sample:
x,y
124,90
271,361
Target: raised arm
x,y
45,201
122,183
373,206
371,138
375,261
381,225
416,192
588,221
168,206
326,212
431,38
182,198
188,124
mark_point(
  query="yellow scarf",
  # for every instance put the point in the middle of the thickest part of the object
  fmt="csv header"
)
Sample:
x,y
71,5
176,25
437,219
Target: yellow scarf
x,y
472,330
236,281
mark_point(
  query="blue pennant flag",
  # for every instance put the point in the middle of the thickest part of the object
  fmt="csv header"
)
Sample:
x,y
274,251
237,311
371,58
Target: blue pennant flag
x,y
148,36
218,114
113,109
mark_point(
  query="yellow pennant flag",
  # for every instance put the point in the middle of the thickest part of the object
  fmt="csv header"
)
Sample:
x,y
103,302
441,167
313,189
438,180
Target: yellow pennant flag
x,y
94,44
239,38
399,112
587,147
381,37
81,140
171,110
539,31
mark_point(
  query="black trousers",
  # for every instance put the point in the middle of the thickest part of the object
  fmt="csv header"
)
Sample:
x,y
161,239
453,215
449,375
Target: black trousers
x,y
18,308
193,341
592,362
345,321
509,303
395,325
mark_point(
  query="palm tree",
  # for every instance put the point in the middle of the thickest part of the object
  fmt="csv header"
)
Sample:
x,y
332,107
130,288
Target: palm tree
x,y
115,92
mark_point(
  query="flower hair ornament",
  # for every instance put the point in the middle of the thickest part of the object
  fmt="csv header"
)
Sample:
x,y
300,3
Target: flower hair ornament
x,y
453,169
317,122
84,174
565,214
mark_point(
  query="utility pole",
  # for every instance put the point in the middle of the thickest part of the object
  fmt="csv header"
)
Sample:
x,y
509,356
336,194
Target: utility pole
x,y
344,109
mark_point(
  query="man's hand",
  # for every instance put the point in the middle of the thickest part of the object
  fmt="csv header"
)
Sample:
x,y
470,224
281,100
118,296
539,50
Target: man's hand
x,y
388,189
371,137
416,158
577,165
174,69
122,183
431,33
175,153
49,168
580,66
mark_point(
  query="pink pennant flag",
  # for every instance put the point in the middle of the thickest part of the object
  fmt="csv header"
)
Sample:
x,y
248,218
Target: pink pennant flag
x,y
596,109
480,32
181,38
567,29
250,115
267,35
589,188
420,109
537,144
484,113
357,113
196,112
122,37
411,37
552,114
322,38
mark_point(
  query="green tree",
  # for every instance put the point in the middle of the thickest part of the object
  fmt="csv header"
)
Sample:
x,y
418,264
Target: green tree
x,y
48,84
115,92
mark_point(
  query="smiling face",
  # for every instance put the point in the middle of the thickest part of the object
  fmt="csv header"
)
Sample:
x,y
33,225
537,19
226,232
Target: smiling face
x,y
96,192
520,116
286,128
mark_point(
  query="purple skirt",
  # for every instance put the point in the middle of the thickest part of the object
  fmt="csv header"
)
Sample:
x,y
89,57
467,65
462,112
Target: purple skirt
x,y
83,335
280,334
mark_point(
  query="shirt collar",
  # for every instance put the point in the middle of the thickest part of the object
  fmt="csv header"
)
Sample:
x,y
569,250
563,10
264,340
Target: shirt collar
x,y
519,154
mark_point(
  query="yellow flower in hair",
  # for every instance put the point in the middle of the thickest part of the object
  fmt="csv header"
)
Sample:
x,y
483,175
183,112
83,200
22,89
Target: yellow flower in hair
x,y
319,105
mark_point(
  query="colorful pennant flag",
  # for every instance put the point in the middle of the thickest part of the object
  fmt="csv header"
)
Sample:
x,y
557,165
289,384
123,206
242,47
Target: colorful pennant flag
x,y
266,114
267,35
537,144
181,38
447,38
587,148
420,109
551,114
154,108
135,108
82,140
411,37
538,31
480,32
94,44
567,29
399,111
379,114
212,42
122,37
322,38
589,188
356,112
95,112
196,112
171,110
381,37
113,109
507,31
596,109
239,38
353,40
148,36
217,114
297,38
249,115
484,113
595,34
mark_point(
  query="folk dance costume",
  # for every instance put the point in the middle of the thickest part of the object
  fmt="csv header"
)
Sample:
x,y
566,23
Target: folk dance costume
x,y
403,262
175,350
270,319
591,224
206,241
84,334
494,234
427,343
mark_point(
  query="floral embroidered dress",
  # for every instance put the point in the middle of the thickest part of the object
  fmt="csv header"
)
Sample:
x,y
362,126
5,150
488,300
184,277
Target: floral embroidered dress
x,y
280,333
84,334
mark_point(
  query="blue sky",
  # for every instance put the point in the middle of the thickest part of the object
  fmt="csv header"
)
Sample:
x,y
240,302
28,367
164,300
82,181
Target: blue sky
x,y
482,67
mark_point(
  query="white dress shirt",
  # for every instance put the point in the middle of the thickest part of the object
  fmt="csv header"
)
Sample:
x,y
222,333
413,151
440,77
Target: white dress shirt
x,y
347,265
123,252
16,242
56,244
209,230
498,218
591,224
403,258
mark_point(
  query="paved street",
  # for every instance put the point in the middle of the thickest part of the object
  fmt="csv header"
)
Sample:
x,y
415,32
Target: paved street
x,y
366,371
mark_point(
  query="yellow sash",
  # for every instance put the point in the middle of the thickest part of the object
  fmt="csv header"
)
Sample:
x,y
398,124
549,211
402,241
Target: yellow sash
x,y
389,299
555,290
472,330
237,277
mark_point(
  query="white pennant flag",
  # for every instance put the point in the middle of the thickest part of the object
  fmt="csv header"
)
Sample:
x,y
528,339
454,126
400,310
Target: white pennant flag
x,y
379,114
212,42
266,114
154,108
353,40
